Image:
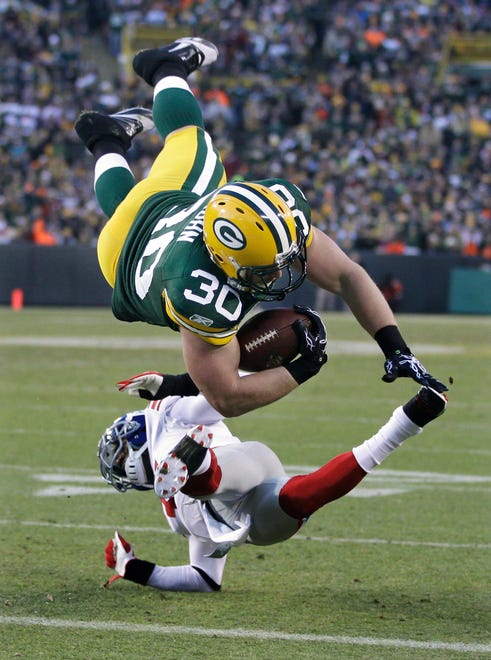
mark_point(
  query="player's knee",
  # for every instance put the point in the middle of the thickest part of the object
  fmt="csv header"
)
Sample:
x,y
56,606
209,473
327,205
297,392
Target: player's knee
x,y
292,501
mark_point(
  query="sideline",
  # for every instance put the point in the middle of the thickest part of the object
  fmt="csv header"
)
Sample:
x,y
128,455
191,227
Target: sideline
x,y
240,633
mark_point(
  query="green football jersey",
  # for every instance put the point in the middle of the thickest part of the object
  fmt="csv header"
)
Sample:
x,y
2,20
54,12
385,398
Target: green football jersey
x,y
165,275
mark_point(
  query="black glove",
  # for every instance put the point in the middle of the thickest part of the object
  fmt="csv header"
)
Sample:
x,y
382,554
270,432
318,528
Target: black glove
x,y
405,365
153,386
312,346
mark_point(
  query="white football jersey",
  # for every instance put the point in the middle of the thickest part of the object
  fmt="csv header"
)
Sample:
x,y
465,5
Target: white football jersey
x,y
167,421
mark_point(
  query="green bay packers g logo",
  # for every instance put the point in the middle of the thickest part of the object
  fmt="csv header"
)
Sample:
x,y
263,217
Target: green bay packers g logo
x,y
229,234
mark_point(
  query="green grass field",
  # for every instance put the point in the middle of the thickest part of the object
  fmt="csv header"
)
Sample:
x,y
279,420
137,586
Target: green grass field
x,y
398,569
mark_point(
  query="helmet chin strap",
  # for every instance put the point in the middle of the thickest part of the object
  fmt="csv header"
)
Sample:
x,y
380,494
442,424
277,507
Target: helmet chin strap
x,y
256,293
260,282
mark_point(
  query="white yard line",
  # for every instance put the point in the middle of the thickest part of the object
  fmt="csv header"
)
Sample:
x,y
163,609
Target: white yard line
x,y
381,483
62,483
118,343
336,347
241,633
297,537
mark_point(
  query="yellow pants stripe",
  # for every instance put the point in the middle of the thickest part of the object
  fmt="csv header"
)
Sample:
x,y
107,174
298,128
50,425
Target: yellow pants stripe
x,y
170,171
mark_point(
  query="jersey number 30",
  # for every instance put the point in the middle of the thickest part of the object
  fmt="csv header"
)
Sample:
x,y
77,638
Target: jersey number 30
x,y
227,302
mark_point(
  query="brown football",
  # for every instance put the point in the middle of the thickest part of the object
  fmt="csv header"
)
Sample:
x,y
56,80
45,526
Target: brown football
x,y
268,339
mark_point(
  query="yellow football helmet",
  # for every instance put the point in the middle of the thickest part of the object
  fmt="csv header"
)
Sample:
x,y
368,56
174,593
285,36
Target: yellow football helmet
x,y
251,234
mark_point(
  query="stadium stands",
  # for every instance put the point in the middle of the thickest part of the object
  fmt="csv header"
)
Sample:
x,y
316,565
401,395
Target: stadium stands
x,y
348,99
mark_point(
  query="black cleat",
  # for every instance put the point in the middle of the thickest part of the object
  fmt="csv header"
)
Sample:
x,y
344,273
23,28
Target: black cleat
x,y
194,52
427,405
93,126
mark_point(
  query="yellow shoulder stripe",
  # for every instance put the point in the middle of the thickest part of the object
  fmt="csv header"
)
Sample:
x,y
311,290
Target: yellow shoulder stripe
x,y
196,324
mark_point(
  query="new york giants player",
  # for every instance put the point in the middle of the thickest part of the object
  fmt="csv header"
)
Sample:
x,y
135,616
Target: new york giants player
x,y
219,492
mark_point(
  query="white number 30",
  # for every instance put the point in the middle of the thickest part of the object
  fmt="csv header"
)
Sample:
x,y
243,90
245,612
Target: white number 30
x,y
204,294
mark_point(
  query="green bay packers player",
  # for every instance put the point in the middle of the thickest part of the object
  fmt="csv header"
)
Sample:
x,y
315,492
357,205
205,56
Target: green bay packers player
x,y
185,249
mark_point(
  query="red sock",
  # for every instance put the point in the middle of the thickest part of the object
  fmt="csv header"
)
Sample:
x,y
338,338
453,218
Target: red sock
x,y
206,483
304,494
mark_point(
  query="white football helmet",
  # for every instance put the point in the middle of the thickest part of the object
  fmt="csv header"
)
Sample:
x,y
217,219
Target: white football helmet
x,y
123,454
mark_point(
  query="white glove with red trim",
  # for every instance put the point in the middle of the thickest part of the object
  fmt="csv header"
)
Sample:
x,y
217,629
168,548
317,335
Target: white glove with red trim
x,y
153,386
145,385
117,554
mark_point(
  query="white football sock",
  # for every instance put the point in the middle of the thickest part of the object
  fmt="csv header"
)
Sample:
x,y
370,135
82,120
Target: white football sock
x,y
171,82
109,162
374,450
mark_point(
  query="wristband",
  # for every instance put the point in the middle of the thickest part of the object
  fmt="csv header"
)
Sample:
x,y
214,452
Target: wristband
x,y
138,570
302,371
180,384
390,340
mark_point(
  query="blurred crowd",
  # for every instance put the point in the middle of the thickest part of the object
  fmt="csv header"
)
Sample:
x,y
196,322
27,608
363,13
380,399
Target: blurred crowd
x,y
347,99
